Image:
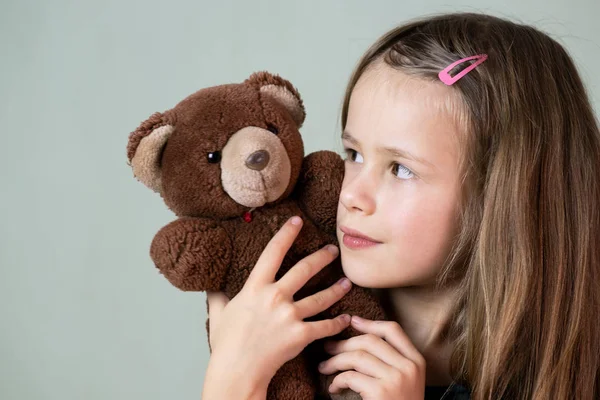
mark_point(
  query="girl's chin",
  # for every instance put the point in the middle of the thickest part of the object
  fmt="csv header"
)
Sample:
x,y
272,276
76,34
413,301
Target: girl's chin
x,y
361,276
378,276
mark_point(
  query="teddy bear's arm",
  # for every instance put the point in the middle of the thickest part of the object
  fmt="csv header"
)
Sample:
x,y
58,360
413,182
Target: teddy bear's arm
x,y
318,188
194,254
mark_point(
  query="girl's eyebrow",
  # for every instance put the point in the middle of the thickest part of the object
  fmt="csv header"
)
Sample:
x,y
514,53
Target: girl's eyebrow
x,y
393,151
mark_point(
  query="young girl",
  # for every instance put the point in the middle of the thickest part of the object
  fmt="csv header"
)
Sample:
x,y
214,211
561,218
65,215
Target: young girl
x,y
470,204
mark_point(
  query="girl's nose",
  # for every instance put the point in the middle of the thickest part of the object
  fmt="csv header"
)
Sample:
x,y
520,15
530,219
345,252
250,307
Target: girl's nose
x,y
358,194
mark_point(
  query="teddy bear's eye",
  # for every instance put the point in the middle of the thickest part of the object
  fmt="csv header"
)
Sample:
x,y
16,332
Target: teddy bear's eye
x,y
214,157
273,129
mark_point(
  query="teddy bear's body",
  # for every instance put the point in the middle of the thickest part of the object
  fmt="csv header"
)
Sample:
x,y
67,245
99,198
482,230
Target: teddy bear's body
x,y
233,248
228,160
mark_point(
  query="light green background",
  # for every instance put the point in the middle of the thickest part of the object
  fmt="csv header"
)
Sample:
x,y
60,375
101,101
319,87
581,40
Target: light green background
x,y
84,314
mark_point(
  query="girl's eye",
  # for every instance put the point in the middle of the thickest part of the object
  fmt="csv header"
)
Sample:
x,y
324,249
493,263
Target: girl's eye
x,y
354,156
401,171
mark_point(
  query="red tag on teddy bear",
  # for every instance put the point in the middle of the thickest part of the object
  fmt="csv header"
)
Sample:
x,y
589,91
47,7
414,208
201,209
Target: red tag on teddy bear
x,y
248,216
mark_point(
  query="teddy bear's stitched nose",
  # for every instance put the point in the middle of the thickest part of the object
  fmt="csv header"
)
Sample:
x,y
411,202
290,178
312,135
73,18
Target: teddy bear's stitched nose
x,y
258,160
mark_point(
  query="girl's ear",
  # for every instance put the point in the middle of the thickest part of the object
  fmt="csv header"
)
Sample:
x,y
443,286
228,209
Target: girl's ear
x,y
281,91
145,148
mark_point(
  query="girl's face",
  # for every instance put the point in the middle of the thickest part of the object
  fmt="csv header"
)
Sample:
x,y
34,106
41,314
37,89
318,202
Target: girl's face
x,y
401,186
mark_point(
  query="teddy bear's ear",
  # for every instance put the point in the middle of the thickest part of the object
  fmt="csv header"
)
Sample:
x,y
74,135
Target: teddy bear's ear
x,y
281,91
145,147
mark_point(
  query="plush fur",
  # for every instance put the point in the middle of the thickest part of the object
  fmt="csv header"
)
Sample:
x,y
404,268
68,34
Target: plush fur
x,y
229,162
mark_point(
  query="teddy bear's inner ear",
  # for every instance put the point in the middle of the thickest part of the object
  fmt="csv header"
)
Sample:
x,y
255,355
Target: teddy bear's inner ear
x,y
146,161
280,90
291,102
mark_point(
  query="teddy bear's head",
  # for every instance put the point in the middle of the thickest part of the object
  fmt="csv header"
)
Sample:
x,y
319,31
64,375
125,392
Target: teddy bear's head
x,y
223,149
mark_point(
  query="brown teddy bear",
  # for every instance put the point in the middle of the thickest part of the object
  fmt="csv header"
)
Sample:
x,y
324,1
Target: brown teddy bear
x,y
229,162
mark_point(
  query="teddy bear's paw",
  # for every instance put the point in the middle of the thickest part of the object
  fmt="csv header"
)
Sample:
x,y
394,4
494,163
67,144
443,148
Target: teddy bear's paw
x,y
192,253
319,187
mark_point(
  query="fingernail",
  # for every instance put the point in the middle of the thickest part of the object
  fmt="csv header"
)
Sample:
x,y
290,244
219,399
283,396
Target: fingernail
x,y
346,318
332,249
296,220
321,365
345,283
357,320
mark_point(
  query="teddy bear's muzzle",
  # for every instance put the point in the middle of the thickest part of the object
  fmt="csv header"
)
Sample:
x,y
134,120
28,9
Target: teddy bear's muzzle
x,y
255,167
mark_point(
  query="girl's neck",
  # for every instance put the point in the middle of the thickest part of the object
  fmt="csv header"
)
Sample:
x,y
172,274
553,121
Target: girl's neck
x,y
424,314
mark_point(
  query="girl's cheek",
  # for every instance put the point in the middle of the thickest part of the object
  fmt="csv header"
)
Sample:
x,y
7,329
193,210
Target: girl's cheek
x,y
350,171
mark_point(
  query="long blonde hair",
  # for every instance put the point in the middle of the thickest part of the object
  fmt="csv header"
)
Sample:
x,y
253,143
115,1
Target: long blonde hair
x,y
527,322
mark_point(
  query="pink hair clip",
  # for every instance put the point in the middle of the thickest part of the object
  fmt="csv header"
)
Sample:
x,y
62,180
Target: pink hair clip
x,y
444,74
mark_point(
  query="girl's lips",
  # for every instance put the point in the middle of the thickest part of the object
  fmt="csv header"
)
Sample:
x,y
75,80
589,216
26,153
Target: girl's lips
x,y
356,243
357,240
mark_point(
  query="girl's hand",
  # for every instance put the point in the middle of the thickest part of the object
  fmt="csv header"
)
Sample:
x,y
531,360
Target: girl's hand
x,y
262,327
383,364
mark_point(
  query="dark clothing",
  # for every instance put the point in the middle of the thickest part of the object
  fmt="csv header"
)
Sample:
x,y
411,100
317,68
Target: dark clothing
x,y
452,392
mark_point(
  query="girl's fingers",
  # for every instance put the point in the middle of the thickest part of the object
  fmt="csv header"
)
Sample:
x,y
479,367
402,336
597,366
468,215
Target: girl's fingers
x,y
320,301
325,328
392,333
305,269
361,384
360,361
368,342
272,256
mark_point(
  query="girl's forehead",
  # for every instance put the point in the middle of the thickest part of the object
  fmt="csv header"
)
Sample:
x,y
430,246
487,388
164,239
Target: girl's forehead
x,y
384,95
